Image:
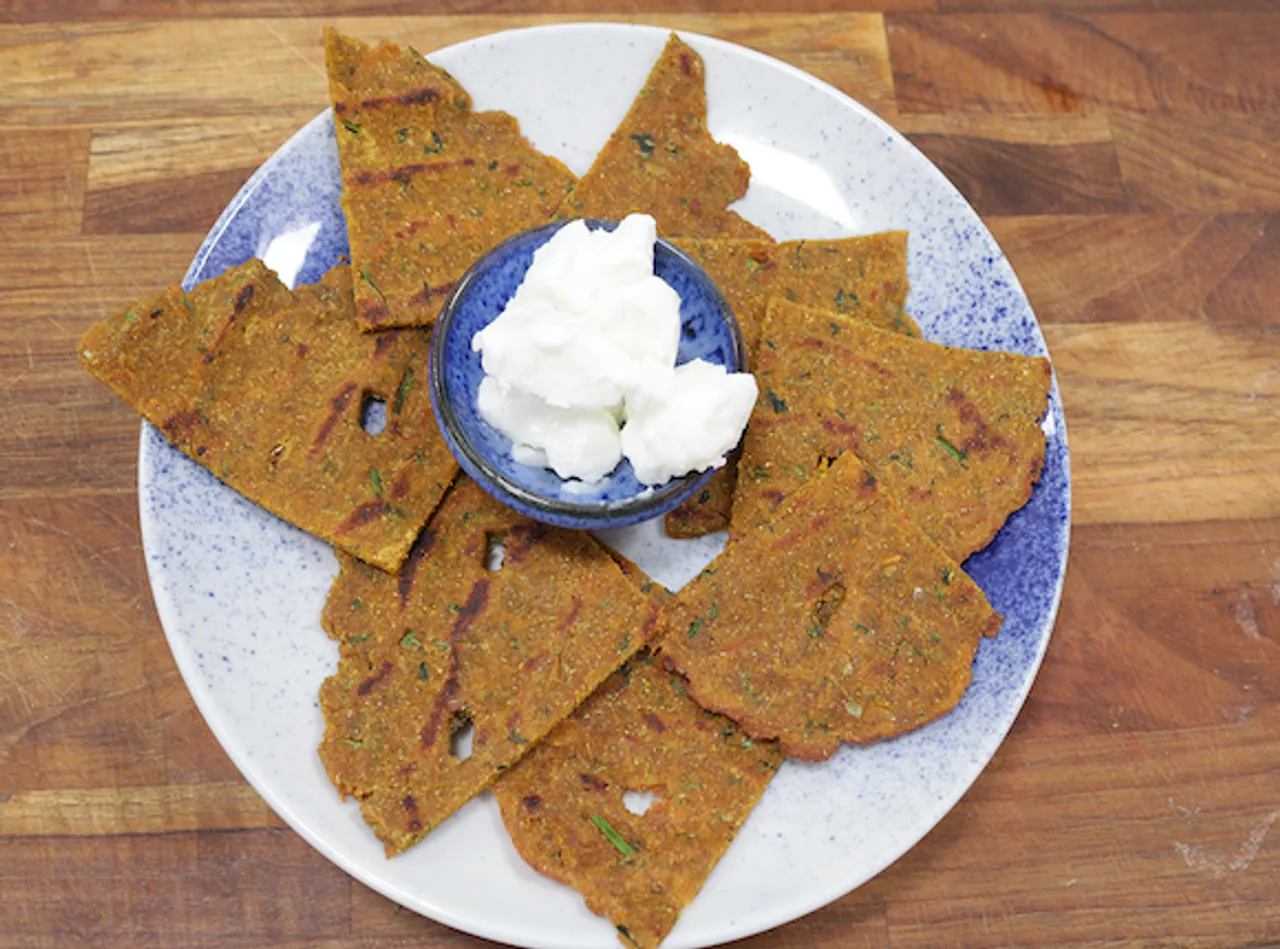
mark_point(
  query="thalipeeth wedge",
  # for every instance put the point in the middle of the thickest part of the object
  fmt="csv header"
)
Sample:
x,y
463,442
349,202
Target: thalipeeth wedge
x,y
452,642
834,620
564,809
266,388
862,277
428,185
952,434
662,160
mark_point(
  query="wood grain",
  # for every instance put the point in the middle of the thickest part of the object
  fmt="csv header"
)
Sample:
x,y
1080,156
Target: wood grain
x,y
1024,164
1214,163
1125,155
1198,63
1178,421
174,177
43,196
1128,268
131,811
54,11
287,75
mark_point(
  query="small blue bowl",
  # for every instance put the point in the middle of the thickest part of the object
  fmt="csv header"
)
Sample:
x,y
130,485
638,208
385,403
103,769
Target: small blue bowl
x,y
709,332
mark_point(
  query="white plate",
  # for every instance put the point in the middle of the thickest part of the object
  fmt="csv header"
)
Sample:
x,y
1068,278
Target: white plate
x,y
240,593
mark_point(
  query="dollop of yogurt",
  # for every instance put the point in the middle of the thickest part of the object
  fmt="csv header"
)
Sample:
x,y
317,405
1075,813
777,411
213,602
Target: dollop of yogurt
x,y
580,366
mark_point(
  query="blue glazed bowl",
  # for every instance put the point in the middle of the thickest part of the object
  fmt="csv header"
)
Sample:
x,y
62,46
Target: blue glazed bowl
x,y
709,332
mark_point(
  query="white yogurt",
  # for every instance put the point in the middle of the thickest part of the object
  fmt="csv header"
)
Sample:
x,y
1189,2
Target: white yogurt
x,y
580,365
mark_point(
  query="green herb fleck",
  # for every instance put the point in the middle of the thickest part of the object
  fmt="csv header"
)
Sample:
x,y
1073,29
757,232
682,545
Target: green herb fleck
x,y
402,391
354,742
422,672
694,627
714,611
645,143
846,301
401,135
952,450
613,836
356,605
516,738
376,479
436,146
358,639
351,126
410,639
778,405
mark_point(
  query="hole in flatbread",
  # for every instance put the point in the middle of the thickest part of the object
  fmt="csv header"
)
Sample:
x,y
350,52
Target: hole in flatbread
x,y
373,414
462,736
637,802
495,550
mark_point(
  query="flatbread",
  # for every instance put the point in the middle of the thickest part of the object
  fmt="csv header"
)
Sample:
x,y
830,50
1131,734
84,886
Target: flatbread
x,y
448,641
428,185
662,160
266,388
952,434
864,277
834,620
563,804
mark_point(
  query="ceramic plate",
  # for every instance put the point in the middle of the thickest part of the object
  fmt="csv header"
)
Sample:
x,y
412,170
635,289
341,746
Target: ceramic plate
x,y
240,593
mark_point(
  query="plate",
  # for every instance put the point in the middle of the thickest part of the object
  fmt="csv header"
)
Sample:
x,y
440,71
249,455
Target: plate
x,y
239,592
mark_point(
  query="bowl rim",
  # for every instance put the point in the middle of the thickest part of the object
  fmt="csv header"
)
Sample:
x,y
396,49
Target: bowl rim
x,y
653,502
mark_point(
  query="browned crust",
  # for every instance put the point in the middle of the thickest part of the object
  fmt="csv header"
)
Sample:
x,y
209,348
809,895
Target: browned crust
x,y
641,732
513,651
952,434
264,387
428,184
834,620
662,160
861,277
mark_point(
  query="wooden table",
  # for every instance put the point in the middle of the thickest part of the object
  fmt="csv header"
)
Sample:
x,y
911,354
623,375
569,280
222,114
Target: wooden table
x,y
1126,153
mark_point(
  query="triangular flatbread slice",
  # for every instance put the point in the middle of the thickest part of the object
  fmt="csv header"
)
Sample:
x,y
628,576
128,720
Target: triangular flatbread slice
x,y
952,434
863,277
662,160
509,644
564,807
428,185
833,620
266,388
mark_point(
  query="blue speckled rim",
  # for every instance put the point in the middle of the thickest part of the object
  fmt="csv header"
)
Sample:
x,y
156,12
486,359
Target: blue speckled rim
x,y
555,511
